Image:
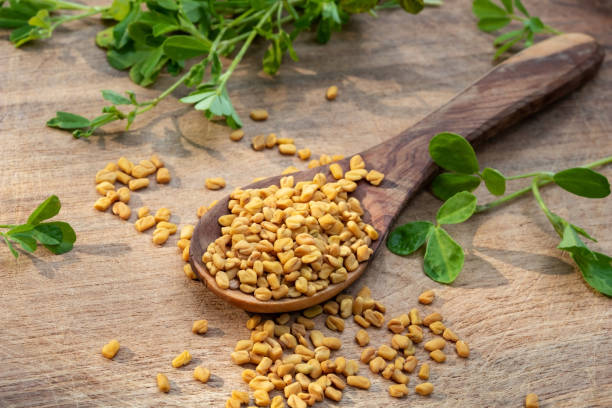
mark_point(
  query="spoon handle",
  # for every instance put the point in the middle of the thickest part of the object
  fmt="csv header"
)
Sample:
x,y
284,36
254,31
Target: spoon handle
x,y
514,89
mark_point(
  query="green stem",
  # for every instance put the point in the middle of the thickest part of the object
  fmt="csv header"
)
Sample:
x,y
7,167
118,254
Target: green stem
x,y
68,5
528,175
91,12
536,194
6,226
517,194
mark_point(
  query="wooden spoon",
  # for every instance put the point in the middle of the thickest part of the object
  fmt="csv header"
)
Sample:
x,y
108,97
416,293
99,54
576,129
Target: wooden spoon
x,y
512,90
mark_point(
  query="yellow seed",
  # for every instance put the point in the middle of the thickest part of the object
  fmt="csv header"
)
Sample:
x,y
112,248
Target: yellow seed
x,y
304,154
122,210
187,232
377,364
261,397
410,363
113,196
241,396
333,394
163,214
125,165
215,183
332,343
189,272
334,323
111,166
258,142
355,175
102,203
449,335
400,342
429,319
270,140
361,321
438,356
387,352
106,175
313,163
143,212
160,235
424,371
163,176
141,171
200,326
259,114
398,390
110,349
437,327
358,381
437,343
426,297
331,93
156,160
375,177
463,350
374,317
336,171
138,183
236,135
424,389
182,359
123,178
531,401
289,170
415,317
162,383
288,149
144,223
124,195
201,374
356,162
367,355
240,357
284,140
362,337
104,187
313,311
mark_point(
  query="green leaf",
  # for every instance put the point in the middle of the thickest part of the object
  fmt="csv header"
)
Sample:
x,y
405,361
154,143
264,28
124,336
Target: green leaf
x,y
507,36
26,241
197,97
493,23
118,10
47,234
522,9
487,9
596,269
534,24
494,180
407,238
583,182
66,120
571,242
10,246
508,5
105,38
583,232
443,258
358,6
452,152
457,209
501,50
41,19
12,18
115,98
67,240
47,209
446,185
181,47
412,6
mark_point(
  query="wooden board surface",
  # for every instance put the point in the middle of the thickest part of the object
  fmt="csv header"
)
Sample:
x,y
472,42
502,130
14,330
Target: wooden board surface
x,y
532,323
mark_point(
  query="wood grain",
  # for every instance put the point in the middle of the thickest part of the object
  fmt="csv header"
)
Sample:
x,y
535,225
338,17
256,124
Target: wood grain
x,y
532,323
519,87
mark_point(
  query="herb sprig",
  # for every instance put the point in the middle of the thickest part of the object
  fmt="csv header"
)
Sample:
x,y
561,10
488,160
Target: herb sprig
x,y
57,236
492,17
148,37
443,259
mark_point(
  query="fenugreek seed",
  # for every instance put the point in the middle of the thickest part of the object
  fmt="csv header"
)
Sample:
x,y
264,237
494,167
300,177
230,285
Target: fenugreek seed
x,y
143,212
264,365
259,114
215,183
263,294
171,227
241,396
102,203
200,326
531,401
261,397
356,162
374,317
124,195
415,333
331,307
304,154
386,352
367,355
362,337
336,171
324,159
424,371
463,350
400,342
410,364
104,187
336,381
375,177
437,343
162,383
201,374
106,175
125,165
288,149
429,319
426,297
292,389
258,142
236,135
270,140
140,172
138,183
387,373
283,318
144,223
333,343
160,235
313,163
123,178
361,321
189,272
163,176
355,175
182,359
240,357
313,312
185,254
243,345
334,323
113,196
110,166
377,364
395,325
316,390
399,377
437,327
358,305
415,317
248,375
289,170
398,390
340,363
358,381
163,214
333,394
187,232
438,356
110,349
331,93
294,401
450,335
424,389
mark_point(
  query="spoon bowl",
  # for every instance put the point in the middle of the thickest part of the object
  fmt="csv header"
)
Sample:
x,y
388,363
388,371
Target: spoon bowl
x,y
512,90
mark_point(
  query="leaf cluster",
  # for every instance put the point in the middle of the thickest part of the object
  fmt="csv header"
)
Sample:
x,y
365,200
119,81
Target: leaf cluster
x,y
57,236
443,259
493,17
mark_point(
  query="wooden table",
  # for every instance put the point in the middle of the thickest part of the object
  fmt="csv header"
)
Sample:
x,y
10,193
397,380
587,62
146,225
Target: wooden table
x,y
532,323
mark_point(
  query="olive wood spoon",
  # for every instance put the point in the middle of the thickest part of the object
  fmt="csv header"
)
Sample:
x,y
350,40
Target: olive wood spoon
x,y
512,90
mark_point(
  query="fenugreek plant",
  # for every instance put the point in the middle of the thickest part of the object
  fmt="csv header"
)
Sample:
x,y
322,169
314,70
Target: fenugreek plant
x,y
493,17
148,37
57,236
443,260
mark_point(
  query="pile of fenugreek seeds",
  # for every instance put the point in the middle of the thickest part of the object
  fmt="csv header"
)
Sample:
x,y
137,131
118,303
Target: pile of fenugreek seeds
x,y
294,239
